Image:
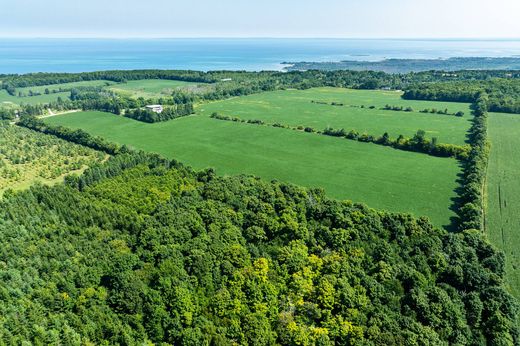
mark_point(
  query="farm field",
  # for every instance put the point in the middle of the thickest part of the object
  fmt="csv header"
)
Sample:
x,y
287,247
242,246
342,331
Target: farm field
x,y
27,157
7,100
149,88
64,86
294,107
379,176
503,192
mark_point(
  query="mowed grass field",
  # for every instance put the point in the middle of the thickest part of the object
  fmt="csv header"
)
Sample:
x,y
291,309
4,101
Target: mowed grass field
x,y
294,107
381,177
150,88
503,192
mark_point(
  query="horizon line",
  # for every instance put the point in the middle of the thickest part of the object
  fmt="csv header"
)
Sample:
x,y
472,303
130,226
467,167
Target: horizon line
x,y
153,37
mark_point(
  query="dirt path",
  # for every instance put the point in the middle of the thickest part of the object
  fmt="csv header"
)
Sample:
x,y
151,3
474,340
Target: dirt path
x,y
52,114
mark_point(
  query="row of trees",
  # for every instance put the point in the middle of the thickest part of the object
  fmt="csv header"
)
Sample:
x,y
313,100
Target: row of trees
x,y
418,143
76,136
143,250
471,196
168,113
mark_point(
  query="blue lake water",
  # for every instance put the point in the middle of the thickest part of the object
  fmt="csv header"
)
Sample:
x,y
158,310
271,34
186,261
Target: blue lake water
x,y
76,55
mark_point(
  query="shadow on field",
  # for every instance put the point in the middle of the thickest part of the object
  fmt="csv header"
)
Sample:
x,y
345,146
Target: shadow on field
x,y
456,202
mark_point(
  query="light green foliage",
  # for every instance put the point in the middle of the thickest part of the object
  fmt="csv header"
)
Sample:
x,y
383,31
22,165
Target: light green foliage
x,y
27,156
152,88
295,107
382,177
502,222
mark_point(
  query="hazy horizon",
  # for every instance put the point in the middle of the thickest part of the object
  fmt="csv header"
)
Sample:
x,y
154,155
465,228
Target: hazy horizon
x,y
370,19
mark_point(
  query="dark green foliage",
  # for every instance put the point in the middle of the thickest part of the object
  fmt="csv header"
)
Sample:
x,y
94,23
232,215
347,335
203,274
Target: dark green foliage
x,y
471,196
503,94
75,136
142,249
169,113
7,114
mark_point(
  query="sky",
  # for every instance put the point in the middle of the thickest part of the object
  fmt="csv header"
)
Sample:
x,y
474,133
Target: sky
x,y
261,18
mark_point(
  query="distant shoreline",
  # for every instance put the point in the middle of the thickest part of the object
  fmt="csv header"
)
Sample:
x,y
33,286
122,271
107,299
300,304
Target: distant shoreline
x,y
26,55
396,65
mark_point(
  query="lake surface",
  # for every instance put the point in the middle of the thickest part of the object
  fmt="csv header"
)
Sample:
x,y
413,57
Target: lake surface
x,y
76,55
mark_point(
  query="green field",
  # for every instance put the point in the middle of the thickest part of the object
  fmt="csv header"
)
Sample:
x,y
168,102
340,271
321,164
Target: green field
x,y
7,100
150,88
503,192
378,176
64,86
27,157
294,107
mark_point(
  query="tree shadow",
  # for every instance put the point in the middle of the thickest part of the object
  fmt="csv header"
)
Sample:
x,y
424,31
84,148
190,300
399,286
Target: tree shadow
x,y
456,202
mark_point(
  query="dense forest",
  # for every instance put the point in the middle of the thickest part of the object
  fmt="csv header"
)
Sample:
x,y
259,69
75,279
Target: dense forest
x,y
141,249
503,94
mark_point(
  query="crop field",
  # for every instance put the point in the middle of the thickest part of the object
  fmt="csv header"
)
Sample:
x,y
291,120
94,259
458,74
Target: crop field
x,y
503,192
150,88
27,157
379,176
295,108
64,86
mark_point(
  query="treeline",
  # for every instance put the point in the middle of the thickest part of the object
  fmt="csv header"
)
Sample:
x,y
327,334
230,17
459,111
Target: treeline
x,y
418,143
75,136
388,107
241,82
503,94
142,250
168,113
11,82
471,197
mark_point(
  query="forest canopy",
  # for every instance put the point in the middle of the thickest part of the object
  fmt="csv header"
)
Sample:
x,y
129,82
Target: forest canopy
x,y
141,249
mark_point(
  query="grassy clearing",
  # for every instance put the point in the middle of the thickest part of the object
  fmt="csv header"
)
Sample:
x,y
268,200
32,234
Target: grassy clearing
x,y
503,192
294,107
379,176
64,86
27,157
150,88
7,100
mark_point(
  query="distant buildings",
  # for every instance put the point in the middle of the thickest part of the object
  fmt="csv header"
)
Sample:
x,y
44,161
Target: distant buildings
x,y
155,108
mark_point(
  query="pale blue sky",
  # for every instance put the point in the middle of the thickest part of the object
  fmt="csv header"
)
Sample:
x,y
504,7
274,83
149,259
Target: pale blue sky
x,y
263,18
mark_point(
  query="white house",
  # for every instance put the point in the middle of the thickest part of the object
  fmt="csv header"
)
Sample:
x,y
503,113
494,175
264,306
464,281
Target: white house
x,y
155,108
